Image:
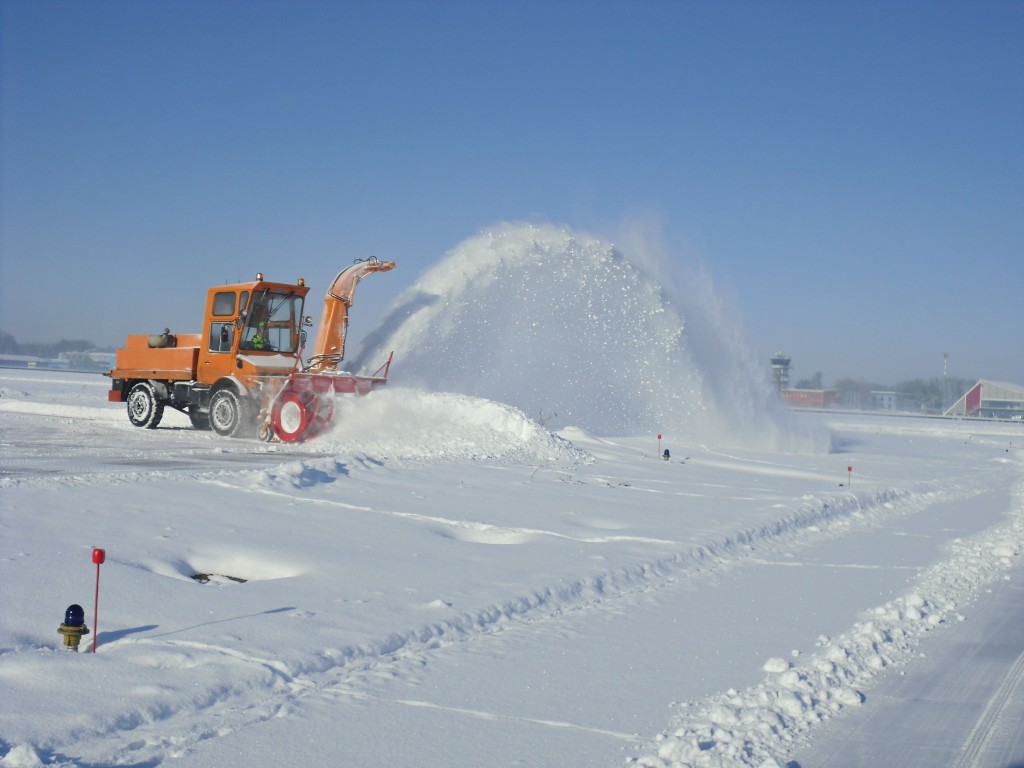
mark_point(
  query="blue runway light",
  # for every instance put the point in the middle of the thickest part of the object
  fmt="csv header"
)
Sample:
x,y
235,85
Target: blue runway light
x,y
73,627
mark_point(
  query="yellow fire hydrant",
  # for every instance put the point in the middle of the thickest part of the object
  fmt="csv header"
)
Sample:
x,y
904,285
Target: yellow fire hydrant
x,y
73,627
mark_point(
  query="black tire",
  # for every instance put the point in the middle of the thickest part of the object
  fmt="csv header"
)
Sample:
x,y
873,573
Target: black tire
x,y
229,414
199,420
144,409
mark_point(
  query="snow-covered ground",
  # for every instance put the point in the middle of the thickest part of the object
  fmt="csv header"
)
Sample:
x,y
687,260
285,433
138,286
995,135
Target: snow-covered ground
x,y
441,581
471,568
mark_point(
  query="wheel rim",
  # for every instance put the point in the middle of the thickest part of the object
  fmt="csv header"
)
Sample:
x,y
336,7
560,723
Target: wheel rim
x,y
223,414
139,405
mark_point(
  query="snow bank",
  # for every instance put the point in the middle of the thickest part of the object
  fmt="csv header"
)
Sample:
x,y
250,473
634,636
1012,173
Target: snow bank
x,y
762,724
413,424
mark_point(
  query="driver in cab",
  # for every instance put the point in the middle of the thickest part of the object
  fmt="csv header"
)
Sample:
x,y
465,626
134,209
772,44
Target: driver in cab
x,y
260,340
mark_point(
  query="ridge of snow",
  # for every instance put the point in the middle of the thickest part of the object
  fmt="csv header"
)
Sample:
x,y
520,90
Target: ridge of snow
x,y
762,724
408,424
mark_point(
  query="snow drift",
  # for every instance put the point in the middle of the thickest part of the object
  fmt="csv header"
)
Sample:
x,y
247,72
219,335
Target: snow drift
x,y
411,424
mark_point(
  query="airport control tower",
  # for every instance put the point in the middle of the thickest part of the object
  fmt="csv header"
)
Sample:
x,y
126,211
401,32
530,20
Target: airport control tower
x,y
780,370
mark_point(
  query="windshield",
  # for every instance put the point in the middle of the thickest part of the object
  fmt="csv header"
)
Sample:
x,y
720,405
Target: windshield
x,y
273,322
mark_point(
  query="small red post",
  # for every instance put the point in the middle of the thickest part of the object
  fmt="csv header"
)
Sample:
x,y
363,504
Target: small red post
x,y
849,475
98,557
659,445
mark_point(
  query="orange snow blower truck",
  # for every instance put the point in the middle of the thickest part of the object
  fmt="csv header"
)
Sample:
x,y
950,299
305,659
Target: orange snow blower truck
x,y
243,374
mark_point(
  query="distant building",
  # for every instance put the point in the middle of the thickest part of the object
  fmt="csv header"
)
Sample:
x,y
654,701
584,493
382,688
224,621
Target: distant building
x,y
990,400
88,361
888,401
28,361
65,361
810,398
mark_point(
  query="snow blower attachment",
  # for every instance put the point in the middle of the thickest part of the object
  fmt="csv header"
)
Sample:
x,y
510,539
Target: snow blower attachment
x,y
243,374
305,405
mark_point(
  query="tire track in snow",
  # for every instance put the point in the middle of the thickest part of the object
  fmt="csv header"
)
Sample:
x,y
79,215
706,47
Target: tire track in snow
x,y
482,715
760,725
468,530
51,456
355,669
988,723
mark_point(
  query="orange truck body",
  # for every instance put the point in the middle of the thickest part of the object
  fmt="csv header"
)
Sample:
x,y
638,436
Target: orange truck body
x,y
227,308
136,358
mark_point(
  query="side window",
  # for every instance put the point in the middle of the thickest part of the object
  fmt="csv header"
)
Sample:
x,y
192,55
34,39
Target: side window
x,y
221,336
224,304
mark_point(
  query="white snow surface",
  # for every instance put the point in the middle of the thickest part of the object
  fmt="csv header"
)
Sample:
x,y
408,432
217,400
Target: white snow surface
x,y
473,566
441,581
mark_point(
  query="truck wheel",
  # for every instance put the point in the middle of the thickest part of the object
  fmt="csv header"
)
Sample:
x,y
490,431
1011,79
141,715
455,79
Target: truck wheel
x,y
144,410
228,414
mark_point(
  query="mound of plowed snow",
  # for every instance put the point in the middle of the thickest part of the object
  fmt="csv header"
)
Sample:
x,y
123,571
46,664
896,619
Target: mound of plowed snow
x,y
404,423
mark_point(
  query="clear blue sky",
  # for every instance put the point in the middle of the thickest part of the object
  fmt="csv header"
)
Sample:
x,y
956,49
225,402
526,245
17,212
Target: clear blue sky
x,y
851,174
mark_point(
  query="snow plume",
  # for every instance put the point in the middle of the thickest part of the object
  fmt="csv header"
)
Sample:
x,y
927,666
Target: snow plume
x,y
574,331
741,402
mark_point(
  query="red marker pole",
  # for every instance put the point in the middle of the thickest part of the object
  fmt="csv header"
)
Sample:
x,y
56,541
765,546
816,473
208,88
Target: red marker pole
x,y
849,475
98,557
659,445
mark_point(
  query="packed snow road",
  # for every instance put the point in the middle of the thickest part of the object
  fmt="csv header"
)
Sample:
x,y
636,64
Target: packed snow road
x,y
441,582
962,699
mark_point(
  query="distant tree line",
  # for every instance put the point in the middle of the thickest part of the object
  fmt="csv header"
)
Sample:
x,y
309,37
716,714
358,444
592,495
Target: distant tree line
x,y
812,383
928,395
10,346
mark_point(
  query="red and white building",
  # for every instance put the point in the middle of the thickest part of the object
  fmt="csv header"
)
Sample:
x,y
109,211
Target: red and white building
x,y
990,400
810,398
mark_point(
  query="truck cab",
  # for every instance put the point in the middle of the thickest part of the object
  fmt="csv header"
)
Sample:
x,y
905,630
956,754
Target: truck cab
x,y
251,329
